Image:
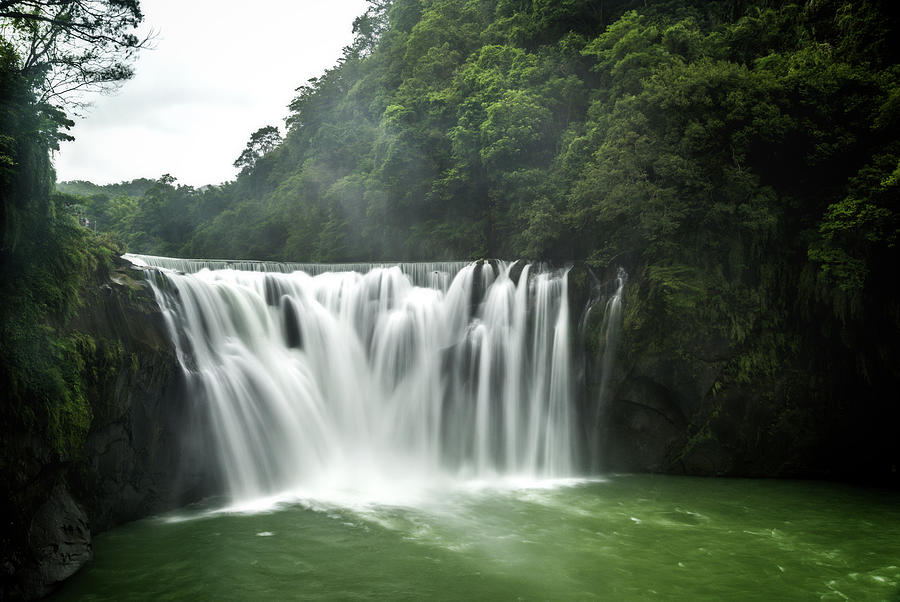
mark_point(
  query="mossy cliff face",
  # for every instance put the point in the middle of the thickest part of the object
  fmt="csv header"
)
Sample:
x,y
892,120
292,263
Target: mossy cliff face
x,y
144,449
136,457
689,394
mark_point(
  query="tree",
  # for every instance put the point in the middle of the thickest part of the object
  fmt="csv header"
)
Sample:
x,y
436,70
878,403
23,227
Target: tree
x,y
69,46
369,27
262,141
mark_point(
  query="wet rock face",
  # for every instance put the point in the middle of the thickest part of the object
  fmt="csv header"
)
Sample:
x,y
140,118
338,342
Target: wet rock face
x,y
143,453
641,424
651,414
661,410
133,450
689,400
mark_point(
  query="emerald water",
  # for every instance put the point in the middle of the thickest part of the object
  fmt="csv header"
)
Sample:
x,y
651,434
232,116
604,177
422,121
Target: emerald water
x,y
621,538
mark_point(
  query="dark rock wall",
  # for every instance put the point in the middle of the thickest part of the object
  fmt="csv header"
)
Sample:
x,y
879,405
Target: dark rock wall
x,y
60,538
676,403
143,454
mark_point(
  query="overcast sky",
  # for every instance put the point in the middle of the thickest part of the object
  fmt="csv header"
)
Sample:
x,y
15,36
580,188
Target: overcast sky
x,y
220,70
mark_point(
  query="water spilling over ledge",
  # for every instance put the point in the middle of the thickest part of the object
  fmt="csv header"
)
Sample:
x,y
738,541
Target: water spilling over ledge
x,y
420,273
376,378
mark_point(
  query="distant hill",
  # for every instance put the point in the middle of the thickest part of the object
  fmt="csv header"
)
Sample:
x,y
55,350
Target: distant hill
x,y
134,188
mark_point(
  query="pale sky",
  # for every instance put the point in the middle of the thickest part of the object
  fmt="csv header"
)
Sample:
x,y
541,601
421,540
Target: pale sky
x,y
220,70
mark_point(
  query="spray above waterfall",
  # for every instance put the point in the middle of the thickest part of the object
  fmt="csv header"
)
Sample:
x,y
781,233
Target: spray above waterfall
x,y
374,377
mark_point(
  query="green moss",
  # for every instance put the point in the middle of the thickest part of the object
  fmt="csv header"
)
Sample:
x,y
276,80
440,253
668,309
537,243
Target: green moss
x,y
700,433
49,370
49,268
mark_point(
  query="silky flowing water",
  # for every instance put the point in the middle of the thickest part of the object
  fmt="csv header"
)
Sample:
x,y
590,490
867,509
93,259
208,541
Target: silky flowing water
x,y
375,377
622,538
413,431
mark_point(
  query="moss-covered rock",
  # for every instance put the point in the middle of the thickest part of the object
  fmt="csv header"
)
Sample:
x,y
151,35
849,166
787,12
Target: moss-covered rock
x,y
690,394
124,455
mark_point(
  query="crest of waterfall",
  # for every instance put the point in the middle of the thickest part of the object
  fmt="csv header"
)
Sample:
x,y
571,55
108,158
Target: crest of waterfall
x,y
366,376
429,274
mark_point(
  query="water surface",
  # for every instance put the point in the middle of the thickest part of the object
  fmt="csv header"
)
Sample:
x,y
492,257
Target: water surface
x,y
622,538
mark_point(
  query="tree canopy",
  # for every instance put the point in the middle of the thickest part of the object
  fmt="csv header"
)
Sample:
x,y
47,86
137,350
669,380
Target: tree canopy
x,y
70,46
262,141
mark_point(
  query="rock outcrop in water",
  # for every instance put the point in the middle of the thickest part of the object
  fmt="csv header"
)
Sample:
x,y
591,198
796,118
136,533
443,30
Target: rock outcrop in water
x,y
59,539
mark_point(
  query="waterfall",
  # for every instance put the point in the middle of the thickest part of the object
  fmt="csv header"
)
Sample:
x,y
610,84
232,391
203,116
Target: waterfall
x,y
610,335
373,376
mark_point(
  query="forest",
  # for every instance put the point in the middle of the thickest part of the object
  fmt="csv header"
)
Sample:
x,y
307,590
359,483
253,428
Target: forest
x,y
576,130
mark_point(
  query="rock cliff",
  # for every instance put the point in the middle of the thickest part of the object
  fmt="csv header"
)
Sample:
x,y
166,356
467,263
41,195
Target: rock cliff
x,y
685,399
141,455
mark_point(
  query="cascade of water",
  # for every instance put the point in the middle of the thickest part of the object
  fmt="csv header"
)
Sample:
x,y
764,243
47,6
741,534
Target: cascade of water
x,y
365,380
610,333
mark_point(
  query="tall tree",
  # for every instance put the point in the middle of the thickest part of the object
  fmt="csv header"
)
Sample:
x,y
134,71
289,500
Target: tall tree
x,y
52,50
262,141
68,46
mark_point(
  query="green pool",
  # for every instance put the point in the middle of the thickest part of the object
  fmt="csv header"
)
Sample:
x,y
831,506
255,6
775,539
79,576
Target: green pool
x,y
622,538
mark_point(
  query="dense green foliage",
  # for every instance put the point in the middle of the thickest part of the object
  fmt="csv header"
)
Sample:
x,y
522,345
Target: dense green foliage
x,y
64,47
49,265
82,188
739,157
576,130
46,259
143,213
